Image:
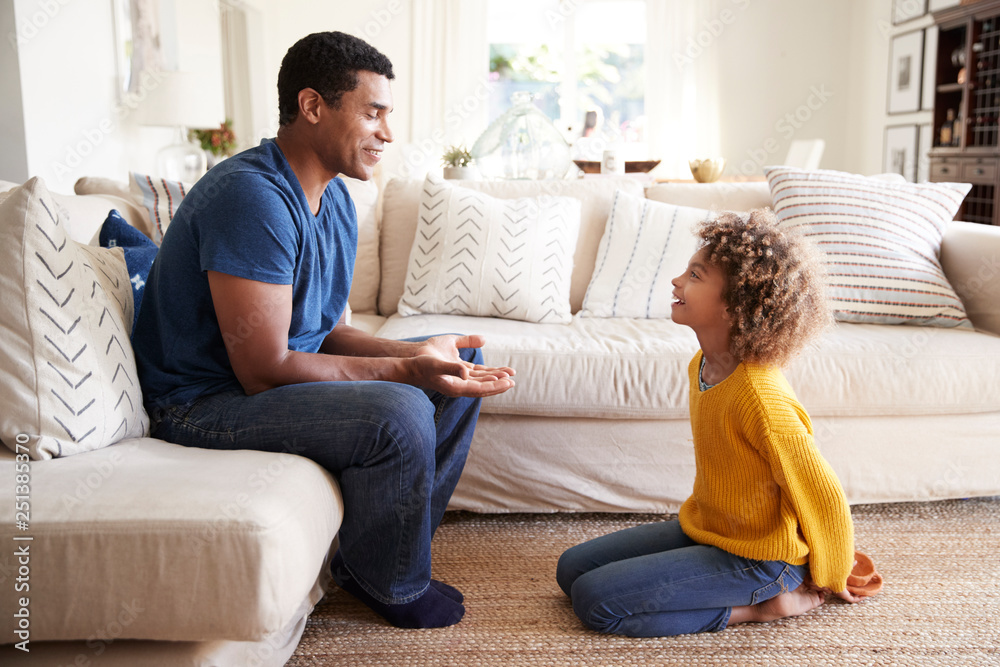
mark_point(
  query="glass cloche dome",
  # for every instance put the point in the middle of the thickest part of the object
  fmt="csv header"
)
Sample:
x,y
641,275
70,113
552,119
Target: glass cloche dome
x,y
522,143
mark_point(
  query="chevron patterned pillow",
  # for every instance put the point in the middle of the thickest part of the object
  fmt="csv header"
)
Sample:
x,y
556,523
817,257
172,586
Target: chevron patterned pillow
x,y
477,255
70,382
881,242
645,245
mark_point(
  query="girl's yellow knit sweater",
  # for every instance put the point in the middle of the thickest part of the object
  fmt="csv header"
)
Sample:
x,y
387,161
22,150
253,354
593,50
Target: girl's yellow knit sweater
x,y
762,490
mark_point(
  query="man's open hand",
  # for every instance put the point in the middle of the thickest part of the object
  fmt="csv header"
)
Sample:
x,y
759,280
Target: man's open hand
x,y
437,365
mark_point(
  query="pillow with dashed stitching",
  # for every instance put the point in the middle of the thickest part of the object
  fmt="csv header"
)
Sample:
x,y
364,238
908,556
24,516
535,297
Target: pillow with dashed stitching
x,y
645,245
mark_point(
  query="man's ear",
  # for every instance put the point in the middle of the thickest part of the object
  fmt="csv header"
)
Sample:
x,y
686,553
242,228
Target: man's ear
x,y
310,105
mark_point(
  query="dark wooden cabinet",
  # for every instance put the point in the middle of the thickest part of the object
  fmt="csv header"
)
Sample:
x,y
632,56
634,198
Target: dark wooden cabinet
x,y
967,88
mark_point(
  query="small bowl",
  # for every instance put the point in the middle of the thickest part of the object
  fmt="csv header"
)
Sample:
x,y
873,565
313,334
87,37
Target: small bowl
x,y
708,170
631,167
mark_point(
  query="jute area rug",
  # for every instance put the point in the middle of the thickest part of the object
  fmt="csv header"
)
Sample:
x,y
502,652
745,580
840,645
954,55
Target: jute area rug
x,y
940,604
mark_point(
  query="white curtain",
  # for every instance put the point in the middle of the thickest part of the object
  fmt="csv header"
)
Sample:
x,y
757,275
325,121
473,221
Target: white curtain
x,y
450,84
243,74
682,81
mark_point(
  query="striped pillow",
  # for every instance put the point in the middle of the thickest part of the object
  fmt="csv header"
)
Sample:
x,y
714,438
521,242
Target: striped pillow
x,y
646,243
160,197
881,241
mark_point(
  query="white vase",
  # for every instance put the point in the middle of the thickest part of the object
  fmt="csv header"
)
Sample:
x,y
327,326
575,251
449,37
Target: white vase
x,y
461,173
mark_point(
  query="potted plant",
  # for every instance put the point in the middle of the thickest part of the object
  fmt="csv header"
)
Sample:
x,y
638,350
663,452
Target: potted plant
x,y
457,162
218,143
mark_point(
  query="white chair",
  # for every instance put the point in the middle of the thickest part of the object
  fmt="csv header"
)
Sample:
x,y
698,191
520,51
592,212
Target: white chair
x,y
805,153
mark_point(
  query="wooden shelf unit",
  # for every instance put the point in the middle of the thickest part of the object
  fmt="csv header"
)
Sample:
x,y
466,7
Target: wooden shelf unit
x,y
969,39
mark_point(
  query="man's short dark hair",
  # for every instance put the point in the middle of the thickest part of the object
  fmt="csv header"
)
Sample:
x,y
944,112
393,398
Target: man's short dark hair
x,y
327,62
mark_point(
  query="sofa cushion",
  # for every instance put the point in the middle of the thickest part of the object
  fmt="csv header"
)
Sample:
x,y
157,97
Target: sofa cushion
x,y
364,287
85,212
970,256
477,255
70,382
401,202
713,196
140,251
881,242
118,197
187,544
637,369
646,244
592,367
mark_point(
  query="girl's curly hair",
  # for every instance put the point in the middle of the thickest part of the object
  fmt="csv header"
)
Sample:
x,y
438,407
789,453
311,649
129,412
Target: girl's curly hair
x,y
774,285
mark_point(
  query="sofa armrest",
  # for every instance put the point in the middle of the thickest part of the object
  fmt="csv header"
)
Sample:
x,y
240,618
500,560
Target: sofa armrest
x,y
970,256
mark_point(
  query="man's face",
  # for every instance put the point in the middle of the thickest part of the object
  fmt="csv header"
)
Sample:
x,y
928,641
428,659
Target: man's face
x,y
353,134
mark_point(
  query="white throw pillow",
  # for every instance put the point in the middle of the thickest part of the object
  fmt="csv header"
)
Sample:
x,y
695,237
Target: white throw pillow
x,y
477,255
881,241
645,245
70,382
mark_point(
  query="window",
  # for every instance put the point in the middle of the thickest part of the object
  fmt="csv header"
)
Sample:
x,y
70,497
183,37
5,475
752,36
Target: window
x,y
582,60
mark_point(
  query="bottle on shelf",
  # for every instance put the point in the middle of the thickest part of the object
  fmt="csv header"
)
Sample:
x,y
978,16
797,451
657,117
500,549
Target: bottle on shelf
x,y
945,134
956,130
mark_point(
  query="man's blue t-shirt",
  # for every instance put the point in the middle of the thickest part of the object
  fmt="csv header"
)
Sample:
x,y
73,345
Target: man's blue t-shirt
x,y
248,217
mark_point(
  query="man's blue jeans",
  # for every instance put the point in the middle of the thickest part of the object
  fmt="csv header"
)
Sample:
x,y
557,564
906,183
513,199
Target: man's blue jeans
x,y
396,450
655,581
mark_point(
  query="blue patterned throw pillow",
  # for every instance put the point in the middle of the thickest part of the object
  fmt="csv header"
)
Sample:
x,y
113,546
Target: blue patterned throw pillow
x,y
140,252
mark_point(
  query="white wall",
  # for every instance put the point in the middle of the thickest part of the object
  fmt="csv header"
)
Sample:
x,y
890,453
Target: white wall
x,y
67,72
74,121
867,57
783,77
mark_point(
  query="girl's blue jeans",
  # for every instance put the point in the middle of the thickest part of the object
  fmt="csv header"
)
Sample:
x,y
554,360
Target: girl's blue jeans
x,y
655,581
396,450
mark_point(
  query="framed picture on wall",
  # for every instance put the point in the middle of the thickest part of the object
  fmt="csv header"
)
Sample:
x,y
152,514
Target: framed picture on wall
x,y
925,143
901,151
930,58
906,72
906,10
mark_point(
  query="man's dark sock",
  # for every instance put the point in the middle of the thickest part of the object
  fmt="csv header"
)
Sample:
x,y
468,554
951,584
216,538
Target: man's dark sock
x,y
433,609
450,591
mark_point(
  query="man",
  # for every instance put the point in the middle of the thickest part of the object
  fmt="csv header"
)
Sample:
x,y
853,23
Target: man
x,y
241,343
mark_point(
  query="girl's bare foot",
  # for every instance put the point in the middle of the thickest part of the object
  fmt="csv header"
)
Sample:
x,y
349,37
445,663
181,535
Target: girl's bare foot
x,y
790,603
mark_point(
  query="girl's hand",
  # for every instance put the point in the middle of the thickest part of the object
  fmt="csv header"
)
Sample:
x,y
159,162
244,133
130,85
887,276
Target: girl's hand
x,y
845,594
848,596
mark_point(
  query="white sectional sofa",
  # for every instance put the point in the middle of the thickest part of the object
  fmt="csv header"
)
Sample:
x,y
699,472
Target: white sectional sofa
x,y
149,553
598,420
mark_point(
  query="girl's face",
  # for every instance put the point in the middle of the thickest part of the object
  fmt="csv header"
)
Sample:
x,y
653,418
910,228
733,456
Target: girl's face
x,y
698,295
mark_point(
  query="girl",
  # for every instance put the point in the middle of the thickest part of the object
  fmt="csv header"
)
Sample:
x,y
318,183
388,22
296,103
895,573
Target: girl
x,y
767,532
